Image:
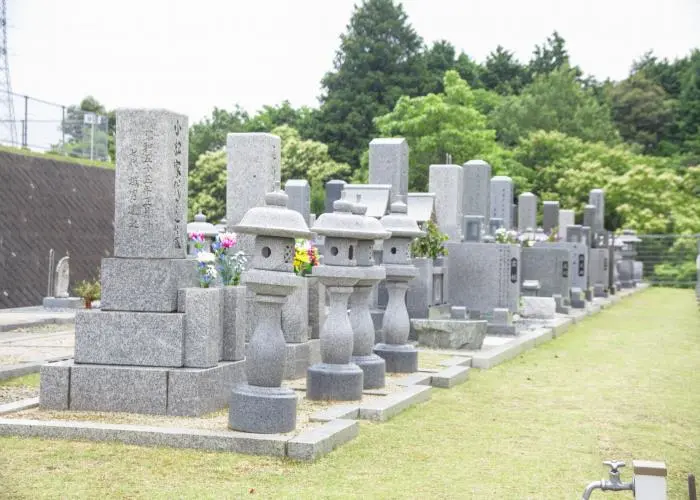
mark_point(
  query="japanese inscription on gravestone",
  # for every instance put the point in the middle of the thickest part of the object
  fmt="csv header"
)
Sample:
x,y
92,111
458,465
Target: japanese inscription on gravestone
x,y
565,269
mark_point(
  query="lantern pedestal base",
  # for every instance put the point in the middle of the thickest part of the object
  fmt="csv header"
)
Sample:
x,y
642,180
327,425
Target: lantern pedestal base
x,y
399,358
329,382
263,410
374,369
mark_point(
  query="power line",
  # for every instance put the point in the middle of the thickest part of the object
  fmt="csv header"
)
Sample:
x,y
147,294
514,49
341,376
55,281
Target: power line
x,y
6,95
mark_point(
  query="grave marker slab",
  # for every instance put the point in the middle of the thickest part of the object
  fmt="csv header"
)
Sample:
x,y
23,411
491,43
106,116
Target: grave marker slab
x,y
476,197
446,182
388,164
502,200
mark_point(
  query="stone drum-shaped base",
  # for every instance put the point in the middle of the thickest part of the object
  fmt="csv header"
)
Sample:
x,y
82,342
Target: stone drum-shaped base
x,y
399,358
264,410
329,382
374,369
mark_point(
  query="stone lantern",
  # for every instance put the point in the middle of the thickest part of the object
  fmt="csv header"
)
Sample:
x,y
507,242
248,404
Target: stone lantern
x,y
263,405
400,356
200,225
336,377
373,366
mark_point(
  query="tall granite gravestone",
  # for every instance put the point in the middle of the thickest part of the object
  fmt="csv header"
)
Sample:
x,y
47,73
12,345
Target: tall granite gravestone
x,y
596,197
388,164
566,219
334,190
446,182
527,212
299,193
550,216
589,218
254,166
476,193
502,200
156,345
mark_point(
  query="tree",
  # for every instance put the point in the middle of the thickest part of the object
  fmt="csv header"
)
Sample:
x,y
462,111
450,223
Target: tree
x,y
270,117
641,110
379,60
689,106
555,101
439,124
78,134
207,186
438,59
210,133
503,73
549,56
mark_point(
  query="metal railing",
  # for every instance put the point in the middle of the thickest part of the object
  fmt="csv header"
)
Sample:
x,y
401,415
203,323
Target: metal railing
x,y
45,126
669,259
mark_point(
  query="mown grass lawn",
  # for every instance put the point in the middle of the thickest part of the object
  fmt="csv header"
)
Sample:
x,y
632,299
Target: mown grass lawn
x,y
624,384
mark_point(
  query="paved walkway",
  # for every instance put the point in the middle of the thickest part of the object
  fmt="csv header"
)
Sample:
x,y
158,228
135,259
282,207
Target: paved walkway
x,y
24,317
35,345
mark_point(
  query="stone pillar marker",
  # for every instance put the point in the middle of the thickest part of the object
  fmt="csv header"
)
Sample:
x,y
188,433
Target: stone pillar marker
x,y
502,200
334,190
373,366
149,216
388,164
336,377
446,182
254,166
400,356
566,219
262,405
527,212
299,192
476,197
550,216
597,198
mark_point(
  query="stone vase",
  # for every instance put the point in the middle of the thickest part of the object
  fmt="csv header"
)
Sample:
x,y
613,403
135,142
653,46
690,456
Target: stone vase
x,y
234,312
295,314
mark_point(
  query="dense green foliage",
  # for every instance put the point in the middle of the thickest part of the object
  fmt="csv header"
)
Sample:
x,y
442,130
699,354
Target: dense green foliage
x,y
555,131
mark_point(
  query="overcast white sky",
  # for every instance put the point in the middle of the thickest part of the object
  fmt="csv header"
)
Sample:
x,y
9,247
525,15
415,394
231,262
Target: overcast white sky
x,y
189,56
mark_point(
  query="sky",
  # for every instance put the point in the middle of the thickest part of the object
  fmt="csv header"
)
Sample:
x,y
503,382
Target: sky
x,y
189,56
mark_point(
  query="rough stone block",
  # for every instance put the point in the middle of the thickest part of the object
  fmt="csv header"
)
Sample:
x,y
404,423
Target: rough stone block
x,y
450,334
234,312
54,385
319,441
197,391
129,338
118,388
145,285
538,307
150,201
203,326
388,164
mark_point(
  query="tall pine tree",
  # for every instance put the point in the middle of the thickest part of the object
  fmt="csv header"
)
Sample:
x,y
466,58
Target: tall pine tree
x,y
379,60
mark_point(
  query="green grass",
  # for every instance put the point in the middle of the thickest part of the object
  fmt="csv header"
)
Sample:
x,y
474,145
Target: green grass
x,y
61,158
621,385
31,380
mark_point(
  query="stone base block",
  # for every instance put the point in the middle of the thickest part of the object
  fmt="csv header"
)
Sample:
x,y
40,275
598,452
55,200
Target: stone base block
x,y
297,360
263,410
129,338
119,388
600,291
450,334
198,391
588,293
374,369
399,358
577,299
203,326
538,307
327,382
54,385
63,303
136,389
234,312
146,285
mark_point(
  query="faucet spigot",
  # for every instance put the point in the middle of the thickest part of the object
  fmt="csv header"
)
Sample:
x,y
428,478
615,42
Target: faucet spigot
x,y
614,469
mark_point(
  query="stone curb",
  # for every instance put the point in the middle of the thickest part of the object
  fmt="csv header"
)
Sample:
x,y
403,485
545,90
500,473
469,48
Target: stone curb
x,y
20,405
37,322
418,378
336,412
456,361
314,443
18,370
383,409
450,377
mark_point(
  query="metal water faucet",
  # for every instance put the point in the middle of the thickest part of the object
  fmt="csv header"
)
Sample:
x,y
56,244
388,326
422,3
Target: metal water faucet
x,y
613,484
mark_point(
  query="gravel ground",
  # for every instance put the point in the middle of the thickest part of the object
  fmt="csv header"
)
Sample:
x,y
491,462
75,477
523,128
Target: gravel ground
x,y
11,394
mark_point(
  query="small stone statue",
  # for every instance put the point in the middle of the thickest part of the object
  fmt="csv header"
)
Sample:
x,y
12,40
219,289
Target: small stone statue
x,y
62,280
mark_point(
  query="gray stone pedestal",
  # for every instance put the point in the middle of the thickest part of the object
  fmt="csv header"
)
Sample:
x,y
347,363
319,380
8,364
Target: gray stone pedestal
x,y
398,358
264,410
334,382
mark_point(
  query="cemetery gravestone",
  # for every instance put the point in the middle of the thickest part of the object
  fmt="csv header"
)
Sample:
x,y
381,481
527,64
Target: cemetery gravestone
x,y
334,190
446,182
527,212
299,193
388,164
502,200
476,198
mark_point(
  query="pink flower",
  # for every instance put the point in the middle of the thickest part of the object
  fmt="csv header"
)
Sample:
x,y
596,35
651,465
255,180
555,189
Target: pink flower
x,y
197,237
227,240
